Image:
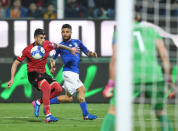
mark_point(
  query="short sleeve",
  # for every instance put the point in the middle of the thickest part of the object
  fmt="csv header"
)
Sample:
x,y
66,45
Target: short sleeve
x,y
157,35
54,53
22,55
82,47
52,45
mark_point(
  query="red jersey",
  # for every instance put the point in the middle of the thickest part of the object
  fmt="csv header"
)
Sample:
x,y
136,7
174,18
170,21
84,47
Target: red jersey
x,y
36,65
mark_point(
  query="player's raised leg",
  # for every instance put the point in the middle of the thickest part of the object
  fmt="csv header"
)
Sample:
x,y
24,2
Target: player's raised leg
x,y
55,91
46,91
60,99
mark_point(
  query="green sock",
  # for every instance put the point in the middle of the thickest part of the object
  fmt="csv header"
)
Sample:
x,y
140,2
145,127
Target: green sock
x,y
108,123
166,124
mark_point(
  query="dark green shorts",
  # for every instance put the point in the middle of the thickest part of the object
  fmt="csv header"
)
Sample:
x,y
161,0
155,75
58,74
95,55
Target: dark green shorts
x,y
154,93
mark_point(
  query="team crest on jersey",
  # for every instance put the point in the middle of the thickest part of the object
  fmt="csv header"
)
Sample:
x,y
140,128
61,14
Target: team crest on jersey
x,y
76,45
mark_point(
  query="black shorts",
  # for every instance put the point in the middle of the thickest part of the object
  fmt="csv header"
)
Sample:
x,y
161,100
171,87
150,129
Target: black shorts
x,y
34,77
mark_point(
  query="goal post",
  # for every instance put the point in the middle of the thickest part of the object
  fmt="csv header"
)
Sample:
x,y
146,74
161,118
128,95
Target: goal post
x,y
124,16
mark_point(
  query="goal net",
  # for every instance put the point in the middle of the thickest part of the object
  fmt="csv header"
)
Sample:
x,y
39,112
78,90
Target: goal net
x,y
158,29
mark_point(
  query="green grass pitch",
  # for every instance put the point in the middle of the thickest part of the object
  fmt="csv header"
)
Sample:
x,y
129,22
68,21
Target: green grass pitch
x,y
20,117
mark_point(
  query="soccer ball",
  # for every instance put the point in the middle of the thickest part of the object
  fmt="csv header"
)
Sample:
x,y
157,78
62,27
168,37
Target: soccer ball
x,y
37,52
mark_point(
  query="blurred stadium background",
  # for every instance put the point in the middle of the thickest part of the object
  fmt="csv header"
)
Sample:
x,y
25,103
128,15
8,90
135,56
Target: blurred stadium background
x,y
93,22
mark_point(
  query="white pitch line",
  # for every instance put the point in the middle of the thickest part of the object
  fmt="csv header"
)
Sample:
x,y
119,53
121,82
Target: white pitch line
x,y
21,117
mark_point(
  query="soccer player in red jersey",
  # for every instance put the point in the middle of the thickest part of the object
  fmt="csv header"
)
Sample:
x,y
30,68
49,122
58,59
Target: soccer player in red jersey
x,y
37,72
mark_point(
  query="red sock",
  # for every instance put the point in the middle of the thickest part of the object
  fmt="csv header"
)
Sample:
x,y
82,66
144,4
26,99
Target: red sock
x,y
55,90
46,90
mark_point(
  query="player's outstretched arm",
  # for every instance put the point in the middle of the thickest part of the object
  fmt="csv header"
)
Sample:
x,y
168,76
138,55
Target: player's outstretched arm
x,y
166,65
92,54
164,57
108,91
112,64
72,50
13,70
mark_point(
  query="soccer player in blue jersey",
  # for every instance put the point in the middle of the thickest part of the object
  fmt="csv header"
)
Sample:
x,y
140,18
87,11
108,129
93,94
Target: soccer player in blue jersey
x,y
72,83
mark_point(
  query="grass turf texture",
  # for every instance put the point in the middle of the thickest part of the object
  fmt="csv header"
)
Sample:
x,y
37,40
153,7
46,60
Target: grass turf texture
x,y
20,117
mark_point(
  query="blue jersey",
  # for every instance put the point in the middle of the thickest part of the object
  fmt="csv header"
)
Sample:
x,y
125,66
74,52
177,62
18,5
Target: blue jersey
x,y
71,62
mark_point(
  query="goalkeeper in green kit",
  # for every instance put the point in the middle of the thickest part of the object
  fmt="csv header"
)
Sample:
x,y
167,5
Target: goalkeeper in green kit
x,y
147,75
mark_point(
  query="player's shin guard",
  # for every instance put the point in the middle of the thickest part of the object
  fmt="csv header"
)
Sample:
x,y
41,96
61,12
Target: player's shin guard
x,y
46,90
55,90
108,123
166,124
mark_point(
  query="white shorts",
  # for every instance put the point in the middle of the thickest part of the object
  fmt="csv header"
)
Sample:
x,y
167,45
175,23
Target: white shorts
x,y
71,82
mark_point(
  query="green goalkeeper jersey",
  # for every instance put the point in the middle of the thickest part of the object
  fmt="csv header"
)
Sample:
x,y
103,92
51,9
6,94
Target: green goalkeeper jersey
x,y
145,64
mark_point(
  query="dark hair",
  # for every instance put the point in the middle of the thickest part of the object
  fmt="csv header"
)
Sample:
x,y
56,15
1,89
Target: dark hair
x,y
137,15
67,26
39,32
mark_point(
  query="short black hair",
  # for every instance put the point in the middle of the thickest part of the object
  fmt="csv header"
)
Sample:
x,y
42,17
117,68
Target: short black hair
x,y
66,26
39,32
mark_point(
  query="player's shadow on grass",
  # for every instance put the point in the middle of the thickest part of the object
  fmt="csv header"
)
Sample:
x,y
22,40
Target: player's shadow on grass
x,y
73,119
33,120
18,120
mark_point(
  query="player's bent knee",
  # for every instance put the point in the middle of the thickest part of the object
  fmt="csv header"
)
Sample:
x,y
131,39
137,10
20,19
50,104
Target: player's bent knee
x,y
57,87
69,97
81,99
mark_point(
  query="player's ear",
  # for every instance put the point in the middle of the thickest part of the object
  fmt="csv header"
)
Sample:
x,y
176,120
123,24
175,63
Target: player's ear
x,y
35,38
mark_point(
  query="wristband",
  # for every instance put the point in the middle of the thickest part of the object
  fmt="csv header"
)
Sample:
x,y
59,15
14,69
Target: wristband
x,y
111,83
170,79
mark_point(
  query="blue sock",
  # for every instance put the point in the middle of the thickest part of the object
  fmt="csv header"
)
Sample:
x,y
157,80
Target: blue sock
x,y
83,106
54,100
